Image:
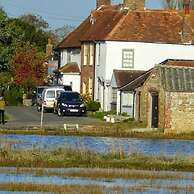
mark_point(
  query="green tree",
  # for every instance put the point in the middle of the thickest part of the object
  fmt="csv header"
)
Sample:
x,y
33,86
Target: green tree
x,y
37,21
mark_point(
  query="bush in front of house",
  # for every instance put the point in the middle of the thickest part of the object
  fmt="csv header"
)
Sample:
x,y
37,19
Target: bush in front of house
x,y
13,95
93,106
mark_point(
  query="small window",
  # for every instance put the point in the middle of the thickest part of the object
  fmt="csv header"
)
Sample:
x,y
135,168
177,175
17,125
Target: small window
x,y
86,54
128,58
91,54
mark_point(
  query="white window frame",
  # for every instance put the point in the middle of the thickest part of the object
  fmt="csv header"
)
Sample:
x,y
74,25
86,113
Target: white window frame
x,y
86,53
128,58
91,54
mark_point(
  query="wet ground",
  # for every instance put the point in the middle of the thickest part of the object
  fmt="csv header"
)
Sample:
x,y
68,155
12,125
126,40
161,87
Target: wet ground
x,y
181,183
100,144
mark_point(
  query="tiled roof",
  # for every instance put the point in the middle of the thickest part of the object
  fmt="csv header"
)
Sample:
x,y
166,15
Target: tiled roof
x,y
160,26
111,23
149,26
124,77
70,68
73,39
176,62
137,82
177,79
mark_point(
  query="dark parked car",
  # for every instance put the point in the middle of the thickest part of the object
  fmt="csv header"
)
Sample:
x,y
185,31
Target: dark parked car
x,y
69,103
37,92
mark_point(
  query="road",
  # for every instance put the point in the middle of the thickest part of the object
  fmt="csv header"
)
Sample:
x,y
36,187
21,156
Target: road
x,y
26,117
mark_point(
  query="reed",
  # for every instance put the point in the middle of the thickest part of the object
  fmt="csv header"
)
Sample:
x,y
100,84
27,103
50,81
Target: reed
x,y
106,130
70,157
97,173
67,189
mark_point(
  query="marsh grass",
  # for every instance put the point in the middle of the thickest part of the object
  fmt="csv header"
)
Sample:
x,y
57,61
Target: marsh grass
x,y
123,129
70,157
67,189
91,189
97,173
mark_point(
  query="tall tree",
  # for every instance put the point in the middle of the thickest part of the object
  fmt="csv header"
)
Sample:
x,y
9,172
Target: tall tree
x,y
35,20
28,66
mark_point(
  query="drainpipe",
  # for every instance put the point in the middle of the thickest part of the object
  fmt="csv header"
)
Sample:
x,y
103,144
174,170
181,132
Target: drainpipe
x,y
120,100
94,70
133,116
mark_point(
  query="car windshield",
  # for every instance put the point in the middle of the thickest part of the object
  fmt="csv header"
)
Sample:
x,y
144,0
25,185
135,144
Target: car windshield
x,y
73,97
50,94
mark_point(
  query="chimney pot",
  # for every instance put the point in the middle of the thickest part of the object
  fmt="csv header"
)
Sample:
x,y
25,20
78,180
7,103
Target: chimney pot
x,y
102,2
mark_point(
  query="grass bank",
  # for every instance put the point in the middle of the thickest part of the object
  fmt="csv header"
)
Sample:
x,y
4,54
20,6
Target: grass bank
x,y
107,130
62,158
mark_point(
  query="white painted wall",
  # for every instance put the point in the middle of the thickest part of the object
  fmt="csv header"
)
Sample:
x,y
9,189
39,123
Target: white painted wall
x,y
146,55
100,62
72,79
74,57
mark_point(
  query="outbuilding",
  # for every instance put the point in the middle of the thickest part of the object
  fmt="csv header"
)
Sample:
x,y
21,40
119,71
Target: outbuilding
x,y
166,99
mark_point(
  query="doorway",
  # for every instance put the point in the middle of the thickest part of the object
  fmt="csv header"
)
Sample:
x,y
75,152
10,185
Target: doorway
x,y
154,119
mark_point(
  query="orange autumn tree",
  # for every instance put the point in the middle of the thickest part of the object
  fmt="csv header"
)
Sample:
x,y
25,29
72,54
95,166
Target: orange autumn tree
x,y
28,67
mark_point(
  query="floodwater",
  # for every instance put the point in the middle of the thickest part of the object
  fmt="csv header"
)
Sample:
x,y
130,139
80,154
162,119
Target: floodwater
x,y
159,186
100,144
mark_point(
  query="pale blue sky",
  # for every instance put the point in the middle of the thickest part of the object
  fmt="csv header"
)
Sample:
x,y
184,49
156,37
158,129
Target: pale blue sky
x,y
58,12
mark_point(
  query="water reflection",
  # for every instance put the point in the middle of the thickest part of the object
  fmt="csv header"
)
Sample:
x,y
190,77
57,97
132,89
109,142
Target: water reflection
x,y
101,144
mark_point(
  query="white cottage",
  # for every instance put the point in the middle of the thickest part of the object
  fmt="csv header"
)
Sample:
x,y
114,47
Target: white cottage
x,y
113,37
136,40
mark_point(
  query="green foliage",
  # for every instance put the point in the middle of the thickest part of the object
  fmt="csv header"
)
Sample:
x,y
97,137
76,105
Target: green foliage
x,y
36,21
13,96
93,106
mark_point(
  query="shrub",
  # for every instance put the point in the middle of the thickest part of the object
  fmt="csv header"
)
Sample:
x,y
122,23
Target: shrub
x,y
93,106
13,96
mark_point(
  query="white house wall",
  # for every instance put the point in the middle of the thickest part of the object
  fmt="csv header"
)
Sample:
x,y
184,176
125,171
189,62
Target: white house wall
x,y
100,63
73,80
76,58
146,55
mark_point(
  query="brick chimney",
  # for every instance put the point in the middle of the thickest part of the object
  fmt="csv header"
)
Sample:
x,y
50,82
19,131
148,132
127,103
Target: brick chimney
x,y
102,2
186,6
134,4
49,48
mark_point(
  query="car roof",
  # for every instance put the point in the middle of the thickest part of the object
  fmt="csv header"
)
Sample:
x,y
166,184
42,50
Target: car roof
x,y
54,88
70,92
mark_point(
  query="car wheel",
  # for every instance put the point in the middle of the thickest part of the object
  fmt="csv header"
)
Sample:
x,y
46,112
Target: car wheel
x,y
59,113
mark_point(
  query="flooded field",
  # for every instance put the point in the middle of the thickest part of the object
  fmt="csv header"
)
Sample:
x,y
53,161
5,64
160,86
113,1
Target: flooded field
x,y
95,180
129,181
100,144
